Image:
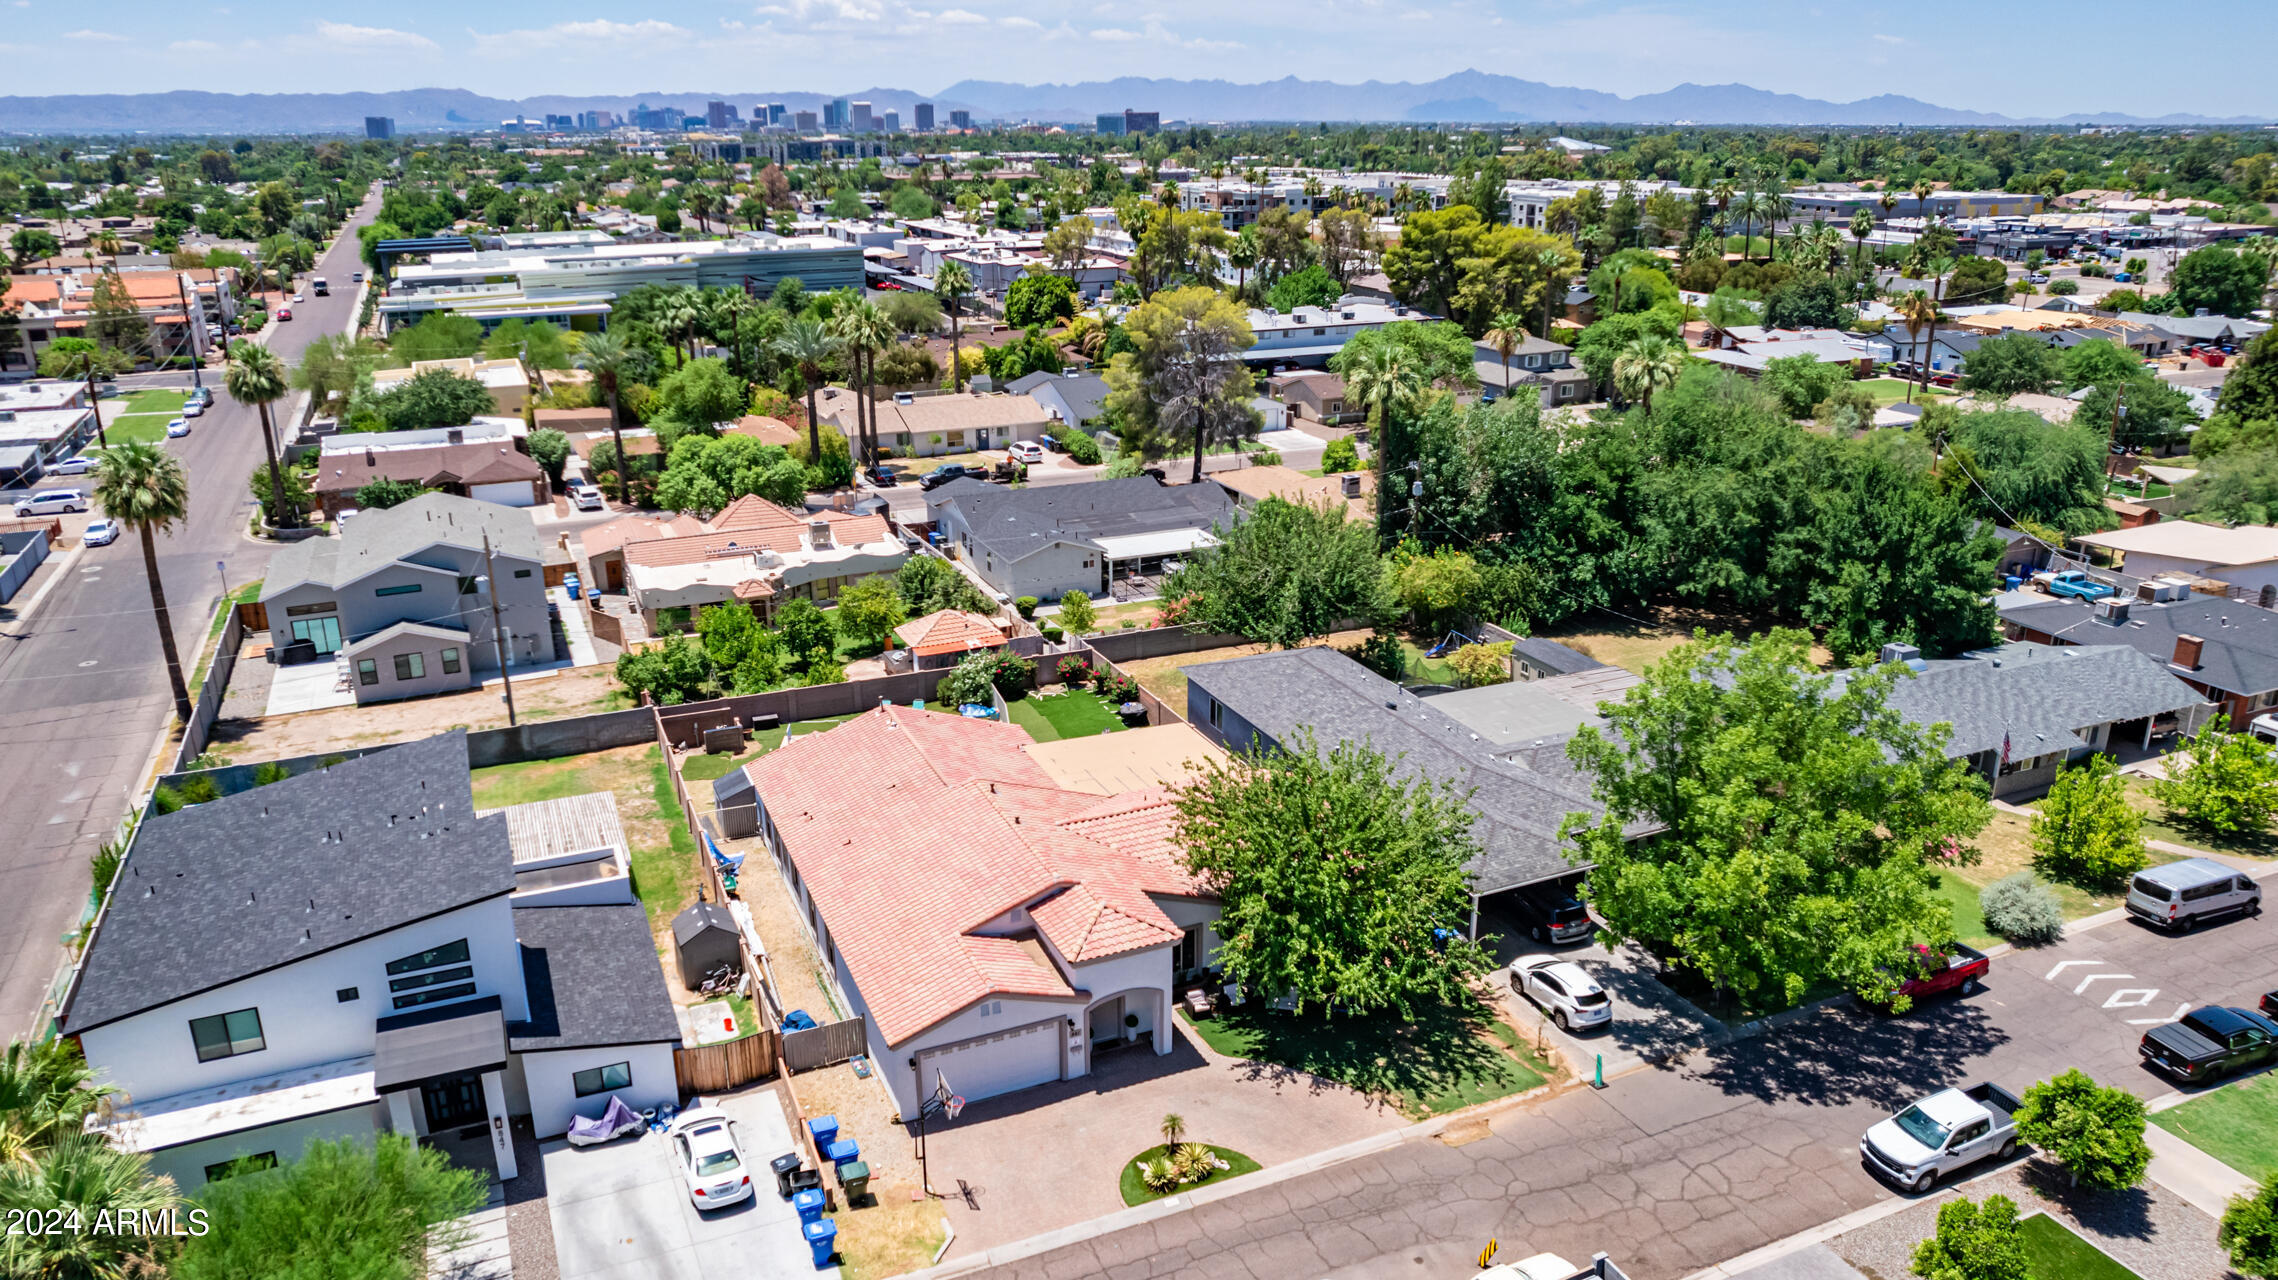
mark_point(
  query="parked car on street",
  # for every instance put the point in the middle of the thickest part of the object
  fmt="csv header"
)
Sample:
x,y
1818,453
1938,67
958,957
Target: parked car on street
x,y
1943,1134
883,477
1542,1266
193,408
1028,451
2178,896
1954,968
1564,989
2037,277
2074,583
72,467
704,1148
2208,1043
945,473
177,428
1552,915
102,533
51,502
284,313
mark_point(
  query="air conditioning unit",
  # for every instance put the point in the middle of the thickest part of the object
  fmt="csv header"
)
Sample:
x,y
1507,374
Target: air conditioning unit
x,y
2112,610
904,397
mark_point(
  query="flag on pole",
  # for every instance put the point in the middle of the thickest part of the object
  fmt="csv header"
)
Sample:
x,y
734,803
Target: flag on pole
x,y
2005,745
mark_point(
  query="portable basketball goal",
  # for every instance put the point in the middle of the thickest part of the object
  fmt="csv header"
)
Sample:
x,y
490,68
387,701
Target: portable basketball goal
x,y
945,1103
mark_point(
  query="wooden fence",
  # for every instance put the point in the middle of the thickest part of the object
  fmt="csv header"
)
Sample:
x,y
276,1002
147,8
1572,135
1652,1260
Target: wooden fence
x,y
714,1068
821,1046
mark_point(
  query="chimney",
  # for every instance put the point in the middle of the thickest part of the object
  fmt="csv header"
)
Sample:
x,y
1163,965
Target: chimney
x,y
371,458
2187,652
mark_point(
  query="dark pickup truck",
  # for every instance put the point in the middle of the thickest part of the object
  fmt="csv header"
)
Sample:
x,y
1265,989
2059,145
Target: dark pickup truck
x,y
2210,1042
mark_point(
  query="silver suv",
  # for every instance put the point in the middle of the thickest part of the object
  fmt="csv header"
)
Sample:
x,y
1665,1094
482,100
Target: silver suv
x,y
2179,895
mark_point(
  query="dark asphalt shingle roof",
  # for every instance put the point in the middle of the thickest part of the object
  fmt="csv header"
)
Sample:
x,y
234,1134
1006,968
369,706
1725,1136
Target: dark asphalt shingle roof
x,y
1084,394
1519,810
2240,656
376,539
1018,522
439,1040
1552,657
594,979
219,892
2039,697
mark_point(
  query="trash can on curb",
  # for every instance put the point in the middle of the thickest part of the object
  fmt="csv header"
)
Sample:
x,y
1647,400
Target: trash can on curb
x,y
785,1166
822,1237
854,1181
809,1204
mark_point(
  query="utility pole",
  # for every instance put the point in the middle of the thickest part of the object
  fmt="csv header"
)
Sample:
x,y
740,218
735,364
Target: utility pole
x,y
498,629
2112,441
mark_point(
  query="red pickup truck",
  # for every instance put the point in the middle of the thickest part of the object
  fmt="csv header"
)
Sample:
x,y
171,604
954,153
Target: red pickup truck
x,y
1955,968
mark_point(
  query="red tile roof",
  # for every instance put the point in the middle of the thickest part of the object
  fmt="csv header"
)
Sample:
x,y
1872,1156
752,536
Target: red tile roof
x,y
472,463
949,631
913,831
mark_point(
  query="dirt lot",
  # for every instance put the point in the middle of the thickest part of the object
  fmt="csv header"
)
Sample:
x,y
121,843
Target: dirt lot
x,y
577,692
1160,676
1633,648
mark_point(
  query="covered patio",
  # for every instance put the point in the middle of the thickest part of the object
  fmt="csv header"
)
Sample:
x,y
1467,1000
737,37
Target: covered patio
x,y
442,1072
1133,565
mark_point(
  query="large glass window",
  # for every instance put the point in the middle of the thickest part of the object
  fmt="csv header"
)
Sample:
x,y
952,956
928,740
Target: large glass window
x,y
324,633
434,995
615,1076
225,1035
410,666
434,957
418,980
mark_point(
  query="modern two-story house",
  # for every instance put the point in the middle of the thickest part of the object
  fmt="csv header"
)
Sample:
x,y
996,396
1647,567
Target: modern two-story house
x,y
354,950
402,596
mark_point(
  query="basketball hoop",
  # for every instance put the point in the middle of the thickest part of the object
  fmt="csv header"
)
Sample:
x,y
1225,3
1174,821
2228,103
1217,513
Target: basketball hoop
x,y
955,1104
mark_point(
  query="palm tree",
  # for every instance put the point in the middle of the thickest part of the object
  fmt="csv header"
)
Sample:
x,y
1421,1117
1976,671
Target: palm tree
x,y
1862,226
679,316
1385,386
1173,1128
1918,312
1922,190
1508,334
1646,365
807,344
107,241
1722,192
83,1178
864,330
47,1091
257,377
605,355
952,284
1242,255
144,488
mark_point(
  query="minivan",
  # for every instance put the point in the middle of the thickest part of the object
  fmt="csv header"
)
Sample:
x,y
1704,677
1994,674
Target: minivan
x,y
2179,895
51,502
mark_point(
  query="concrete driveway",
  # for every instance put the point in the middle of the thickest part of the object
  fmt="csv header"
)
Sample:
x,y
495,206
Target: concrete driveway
x,y
1651,1022
621,1211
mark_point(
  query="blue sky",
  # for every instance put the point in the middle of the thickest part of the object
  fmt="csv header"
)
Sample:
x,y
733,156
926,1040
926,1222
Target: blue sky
x,y
2021,57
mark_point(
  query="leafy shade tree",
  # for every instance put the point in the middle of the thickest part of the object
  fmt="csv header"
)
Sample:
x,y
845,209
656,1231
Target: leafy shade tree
x,y
429,399
1342,877
386,492
1974,1242
2095,1132
1287,574
2021,466
2099,363
2085,833
442,336
1039,300
870,610
550,449
703,393
343,1209
666,674
1802,382
257,377
2012,364
296,495
703,474
2157,414
1341,455
2221,782
808,633
330,369
1728,309
2249,1231
1183,385
1602,343
1077,616
1308,286
1032,352
1796,816
2223,280
537,345
145,489
1482,664
928,584
1438,590
2236,485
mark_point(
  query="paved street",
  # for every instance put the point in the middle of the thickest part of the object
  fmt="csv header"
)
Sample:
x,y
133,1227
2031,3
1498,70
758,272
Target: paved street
x,y
86,690
1670,1171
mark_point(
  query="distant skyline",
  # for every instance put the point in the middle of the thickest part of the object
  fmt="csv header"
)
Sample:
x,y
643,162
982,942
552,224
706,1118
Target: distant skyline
x,y
2028,58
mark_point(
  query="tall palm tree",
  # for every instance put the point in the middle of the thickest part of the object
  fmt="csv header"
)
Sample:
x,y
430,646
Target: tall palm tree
x,y
83,1178
953,284
46,1091
257,377
679,316
604,356
1507,335
1242,255
864,331
144,488
807,344
107,241
1918,312
1862,226
1648,364
1386,387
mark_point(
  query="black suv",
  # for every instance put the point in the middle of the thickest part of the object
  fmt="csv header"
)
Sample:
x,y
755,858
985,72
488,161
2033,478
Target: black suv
x,y
1552,914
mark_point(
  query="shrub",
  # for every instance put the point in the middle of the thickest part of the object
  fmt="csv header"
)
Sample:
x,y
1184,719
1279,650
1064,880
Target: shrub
x,y
1159,1176
1341,455
2022,910
1076,613
1075,669
1264,458
1381,653
265,774
2226,782
1195,1161
1482,664
1010,672
2250,1230
199,788
1974,1242
1120,689
1081,447
2095,1132
1026,605
2063,288
1051,632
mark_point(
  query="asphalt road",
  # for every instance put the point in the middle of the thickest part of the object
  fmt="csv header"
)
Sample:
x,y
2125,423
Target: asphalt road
x,y
81,674
1676,1169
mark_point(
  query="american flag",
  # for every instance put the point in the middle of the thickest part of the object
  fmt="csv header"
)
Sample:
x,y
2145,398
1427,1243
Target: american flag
x,y
2005,746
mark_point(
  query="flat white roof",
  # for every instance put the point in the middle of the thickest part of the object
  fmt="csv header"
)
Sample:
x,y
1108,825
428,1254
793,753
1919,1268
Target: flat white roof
x,y
2189,540
234,1108
1135,546
30,426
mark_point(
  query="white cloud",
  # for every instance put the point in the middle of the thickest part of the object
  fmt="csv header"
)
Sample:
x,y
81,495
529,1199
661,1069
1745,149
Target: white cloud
x,y
355,37
823,12
1030,24
590,34
106,37
194,46
1114,35
1890,39
960,18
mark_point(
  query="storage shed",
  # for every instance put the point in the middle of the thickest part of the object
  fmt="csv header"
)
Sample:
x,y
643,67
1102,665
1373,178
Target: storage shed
x,y
704,937
735,805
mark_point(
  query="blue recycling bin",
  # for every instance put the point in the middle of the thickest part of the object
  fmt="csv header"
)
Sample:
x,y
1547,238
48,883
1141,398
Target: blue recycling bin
x,y
824,1130
2015,582
841,1151
822,1237
809,1204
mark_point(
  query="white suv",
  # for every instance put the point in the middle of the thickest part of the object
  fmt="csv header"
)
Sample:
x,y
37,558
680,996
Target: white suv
x,y
584,495
51,502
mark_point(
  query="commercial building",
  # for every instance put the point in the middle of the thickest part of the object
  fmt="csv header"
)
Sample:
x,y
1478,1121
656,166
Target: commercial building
x,y
1142,121
923,115
382,127
721,115
960,119
1110,123
804,122
835,115
41,424
890,122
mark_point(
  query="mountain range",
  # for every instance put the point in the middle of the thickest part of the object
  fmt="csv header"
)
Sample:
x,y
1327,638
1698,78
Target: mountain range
x,y
1467,96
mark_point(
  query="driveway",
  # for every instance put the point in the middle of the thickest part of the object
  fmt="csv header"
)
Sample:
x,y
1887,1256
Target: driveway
x,y
621,1211
1651,1022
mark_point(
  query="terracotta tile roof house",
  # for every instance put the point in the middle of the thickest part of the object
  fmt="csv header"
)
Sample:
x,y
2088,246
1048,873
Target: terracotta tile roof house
x,y
486,471
768,430
1042,919
756,552
948,634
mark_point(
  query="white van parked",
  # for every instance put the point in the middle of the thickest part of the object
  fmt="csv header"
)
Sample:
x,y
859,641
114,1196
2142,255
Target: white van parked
x,y
51,502
2179,895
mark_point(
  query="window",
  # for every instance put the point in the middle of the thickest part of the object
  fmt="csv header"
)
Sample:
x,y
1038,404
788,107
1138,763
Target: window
x,y
410,666
407,589
434,995
521,573
345,995
1214,709
225,1035
593,1080
466,584
1534,362
303,610
418,980
989,1008
367,670
448,953
254,1163
450,662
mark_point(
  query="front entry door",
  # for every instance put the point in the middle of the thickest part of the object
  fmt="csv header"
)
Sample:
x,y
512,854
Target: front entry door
x,y
453,1102
1107,1021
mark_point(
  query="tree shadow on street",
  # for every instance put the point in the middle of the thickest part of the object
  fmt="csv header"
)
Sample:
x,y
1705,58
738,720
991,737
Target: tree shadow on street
x,y
1841,1054
1441,1060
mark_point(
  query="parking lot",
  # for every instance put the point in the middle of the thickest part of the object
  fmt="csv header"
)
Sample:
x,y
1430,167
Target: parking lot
x,y
622,1212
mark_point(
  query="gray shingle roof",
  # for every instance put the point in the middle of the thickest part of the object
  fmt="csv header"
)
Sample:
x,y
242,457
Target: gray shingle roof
x,y
1083,394
1553,657
219,892
2037,696
1017,522
2240,656
594,979
375,539
1519,810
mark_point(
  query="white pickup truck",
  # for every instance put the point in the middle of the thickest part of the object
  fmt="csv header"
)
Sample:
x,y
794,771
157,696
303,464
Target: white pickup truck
x,y
1943,1134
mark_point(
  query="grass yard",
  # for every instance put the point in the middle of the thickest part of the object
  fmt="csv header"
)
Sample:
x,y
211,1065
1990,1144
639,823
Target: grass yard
x,y
1888,391
1445,1060
889,1236
2052,1251
154,401
139,428
1960,896
2006,848
2158,826
1049,717
2236,1124
663,853
711,765
1136,1192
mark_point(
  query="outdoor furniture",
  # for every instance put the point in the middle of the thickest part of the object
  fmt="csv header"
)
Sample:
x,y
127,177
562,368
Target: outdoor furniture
x,y
1197,1003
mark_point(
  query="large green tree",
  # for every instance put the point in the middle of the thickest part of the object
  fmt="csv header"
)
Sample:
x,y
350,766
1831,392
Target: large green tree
x,y
2249,1230
2095,1131
2012,363
429,399
348,1208
2220,279
1791,817
705,473
2085,833
1183,385
2221,782
703,393
1286,574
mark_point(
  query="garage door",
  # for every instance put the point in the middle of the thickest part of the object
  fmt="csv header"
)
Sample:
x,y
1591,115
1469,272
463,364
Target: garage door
x,y
515,494
984,1068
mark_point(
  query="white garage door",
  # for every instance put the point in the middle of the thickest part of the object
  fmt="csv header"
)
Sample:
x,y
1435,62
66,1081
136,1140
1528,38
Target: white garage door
x,y
998,1064
506,494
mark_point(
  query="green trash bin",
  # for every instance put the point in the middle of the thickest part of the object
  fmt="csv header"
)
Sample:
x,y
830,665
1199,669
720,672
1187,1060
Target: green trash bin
x,y
854,1180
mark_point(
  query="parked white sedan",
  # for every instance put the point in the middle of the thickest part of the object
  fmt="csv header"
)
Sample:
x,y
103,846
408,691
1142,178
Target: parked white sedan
x,y
1564,989
102,533
710,1160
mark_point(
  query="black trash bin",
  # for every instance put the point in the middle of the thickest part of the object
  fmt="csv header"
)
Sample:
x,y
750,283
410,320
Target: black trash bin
x,y
786,1168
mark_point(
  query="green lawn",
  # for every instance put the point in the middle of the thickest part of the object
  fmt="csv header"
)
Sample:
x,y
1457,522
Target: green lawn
x,y
155,401
1135,1192
663,854
138,428
705,768
2053,1251
1445,1060
1049,717
2159,826
1969,923
1893,390
2236,1124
